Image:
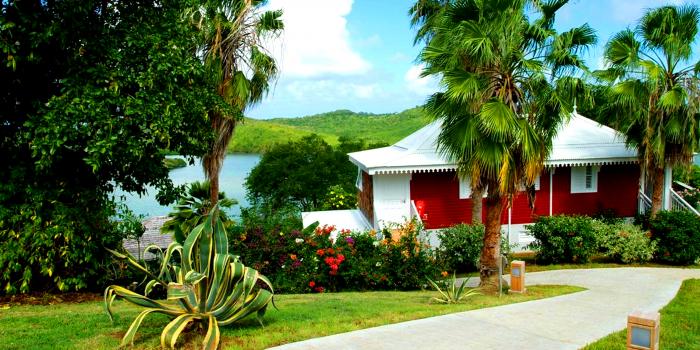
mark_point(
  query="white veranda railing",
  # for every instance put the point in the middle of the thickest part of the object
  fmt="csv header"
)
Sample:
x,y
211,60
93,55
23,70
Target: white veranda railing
x,y
680,204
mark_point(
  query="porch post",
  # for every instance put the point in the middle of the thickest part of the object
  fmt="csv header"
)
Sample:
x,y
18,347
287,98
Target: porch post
x,y
668,179
551,186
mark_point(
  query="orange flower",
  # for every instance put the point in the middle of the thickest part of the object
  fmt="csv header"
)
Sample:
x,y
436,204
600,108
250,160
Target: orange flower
x,y
444,273
293,257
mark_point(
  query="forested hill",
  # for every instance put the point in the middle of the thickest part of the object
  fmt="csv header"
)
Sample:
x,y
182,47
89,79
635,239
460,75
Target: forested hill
x,y
258,135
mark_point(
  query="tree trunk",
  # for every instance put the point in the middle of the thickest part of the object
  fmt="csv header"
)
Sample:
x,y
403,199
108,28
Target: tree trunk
x,y
477,204
491,251
657,192
214,188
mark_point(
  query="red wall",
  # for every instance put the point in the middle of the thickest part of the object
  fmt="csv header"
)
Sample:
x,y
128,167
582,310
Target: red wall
x,y
618,186
437,197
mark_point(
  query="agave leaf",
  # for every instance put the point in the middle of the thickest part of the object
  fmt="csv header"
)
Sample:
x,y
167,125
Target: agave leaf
x,y
194,277
253,304
131,332
211,340
149,287
172,331
139,299
435,285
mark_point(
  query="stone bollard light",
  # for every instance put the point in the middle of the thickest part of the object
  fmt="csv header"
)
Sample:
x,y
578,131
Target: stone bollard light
x,y
643,330
517,276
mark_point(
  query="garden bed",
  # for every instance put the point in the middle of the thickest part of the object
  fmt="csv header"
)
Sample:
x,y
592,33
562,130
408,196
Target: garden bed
x,y
300,316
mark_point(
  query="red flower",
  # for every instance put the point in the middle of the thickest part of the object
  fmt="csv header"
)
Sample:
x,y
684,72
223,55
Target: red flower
x,y
341,257
320,252
319,289
330,251
329,261
312,284
334,267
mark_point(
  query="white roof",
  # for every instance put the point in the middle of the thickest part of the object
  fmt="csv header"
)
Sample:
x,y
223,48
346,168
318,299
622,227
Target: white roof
x,y
352,220
581,141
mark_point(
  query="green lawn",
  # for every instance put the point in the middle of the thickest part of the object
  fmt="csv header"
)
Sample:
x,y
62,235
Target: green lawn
x,y
680,323
86,326
596,263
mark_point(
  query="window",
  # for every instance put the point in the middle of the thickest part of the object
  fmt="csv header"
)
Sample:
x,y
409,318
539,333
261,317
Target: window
x,y
358,181
584,179
465,189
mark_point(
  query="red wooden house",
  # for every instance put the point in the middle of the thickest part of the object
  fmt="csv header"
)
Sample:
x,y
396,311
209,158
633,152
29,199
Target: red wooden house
x,y
589,171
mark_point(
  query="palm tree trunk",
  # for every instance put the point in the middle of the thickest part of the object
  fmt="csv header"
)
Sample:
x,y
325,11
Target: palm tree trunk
x,y
477,204
214,188
491,251
657,192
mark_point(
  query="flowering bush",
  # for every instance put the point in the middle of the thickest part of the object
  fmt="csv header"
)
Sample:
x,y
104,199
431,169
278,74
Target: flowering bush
x,y
320,259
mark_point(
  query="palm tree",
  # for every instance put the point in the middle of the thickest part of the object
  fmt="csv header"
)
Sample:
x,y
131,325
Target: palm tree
x,y
504,95
232,34
655,90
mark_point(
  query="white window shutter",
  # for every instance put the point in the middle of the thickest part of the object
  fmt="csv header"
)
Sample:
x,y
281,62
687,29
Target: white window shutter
x,y
358,181
584,179
465,188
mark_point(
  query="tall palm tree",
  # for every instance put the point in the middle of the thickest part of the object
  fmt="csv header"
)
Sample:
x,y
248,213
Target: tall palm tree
x,y
232,35
655,90
504,95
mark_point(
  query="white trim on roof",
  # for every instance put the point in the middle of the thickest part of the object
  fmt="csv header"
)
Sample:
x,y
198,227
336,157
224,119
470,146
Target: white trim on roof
x,y
580,142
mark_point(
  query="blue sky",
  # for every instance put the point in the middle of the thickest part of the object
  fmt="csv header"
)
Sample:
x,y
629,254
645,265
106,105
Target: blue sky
x,y
359,55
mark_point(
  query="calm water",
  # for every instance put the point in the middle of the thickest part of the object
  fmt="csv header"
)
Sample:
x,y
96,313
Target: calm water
x,y
236,168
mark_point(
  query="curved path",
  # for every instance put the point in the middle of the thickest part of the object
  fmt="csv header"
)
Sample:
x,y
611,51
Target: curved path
x,y
564,322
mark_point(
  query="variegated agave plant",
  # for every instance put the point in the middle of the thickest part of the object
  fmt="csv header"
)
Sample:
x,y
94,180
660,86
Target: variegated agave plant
x,y
208,286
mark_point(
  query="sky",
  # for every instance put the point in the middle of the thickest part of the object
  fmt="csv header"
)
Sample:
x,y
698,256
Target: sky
x,y
359,55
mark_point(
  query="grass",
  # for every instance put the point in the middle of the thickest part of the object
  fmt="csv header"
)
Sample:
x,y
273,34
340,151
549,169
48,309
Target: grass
x,y
257,136
680,323
86,326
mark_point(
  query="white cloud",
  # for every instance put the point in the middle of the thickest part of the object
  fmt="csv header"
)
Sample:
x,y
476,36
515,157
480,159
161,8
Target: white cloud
x,y
315,40
420,85
330,90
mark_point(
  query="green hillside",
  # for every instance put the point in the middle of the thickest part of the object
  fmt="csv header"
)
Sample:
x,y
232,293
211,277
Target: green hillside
x,y
256,135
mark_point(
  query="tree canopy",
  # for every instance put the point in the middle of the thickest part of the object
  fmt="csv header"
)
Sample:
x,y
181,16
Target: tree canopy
x,y
654,89
91,93
303,173
507,87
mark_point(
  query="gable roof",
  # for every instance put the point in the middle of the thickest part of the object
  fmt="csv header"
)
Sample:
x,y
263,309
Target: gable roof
x,y
581,141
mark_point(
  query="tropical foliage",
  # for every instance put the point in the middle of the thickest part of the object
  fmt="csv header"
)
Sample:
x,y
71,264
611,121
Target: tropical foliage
x,y
260,135
323,259
450,293
231,36
655,89
191,210
304,173
206,286
79,117
503,68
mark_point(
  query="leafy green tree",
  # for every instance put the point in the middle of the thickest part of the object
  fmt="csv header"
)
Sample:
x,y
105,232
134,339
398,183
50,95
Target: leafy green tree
x,y
302,173
505,93
91,92
231,35
655,90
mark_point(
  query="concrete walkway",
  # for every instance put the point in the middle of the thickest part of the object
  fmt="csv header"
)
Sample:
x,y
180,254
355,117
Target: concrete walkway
x,y
564,322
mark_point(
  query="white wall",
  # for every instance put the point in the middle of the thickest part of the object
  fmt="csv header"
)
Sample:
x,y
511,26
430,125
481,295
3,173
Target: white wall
x,y
392,198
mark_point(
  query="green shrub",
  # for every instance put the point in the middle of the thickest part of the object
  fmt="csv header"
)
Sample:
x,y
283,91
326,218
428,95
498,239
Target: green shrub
x,y
624,243
460,247
677,235
309,260
563,239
